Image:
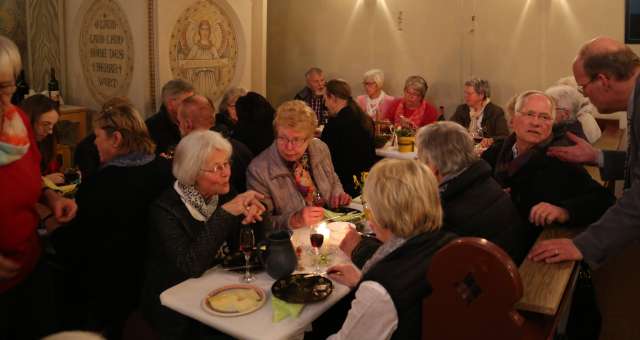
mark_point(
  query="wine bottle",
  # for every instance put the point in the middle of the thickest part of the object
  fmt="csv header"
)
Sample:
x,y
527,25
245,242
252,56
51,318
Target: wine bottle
x,y
22,89
54,88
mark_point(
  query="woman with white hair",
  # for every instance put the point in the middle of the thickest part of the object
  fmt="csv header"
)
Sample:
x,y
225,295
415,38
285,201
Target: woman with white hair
x,y
391,286
483,118
413,110
375,102
227,118
190,223
572,114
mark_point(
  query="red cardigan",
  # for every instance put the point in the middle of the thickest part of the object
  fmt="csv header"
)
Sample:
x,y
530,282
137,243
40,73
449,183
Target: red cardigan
x,y
20,184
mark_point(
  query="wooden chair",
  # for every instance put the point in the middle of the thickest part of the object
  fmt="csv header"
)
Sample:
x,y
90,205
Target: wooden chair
x,y
475,288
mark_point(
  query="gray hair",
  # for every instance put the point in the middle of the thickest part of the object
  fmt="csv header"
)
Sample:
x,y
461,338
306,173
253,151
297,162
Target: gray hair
x,y
524,96
313,70
566,98
9,56
231,95
447,146
417,83
192,152
481,86
174,88
375,75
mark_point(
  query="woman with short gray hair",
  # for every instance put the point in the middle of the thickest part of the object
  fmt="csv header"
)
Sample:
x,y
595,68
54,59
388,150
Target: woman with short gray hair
x,y
191,222
484,119
227,116
571,114
375,102
412,110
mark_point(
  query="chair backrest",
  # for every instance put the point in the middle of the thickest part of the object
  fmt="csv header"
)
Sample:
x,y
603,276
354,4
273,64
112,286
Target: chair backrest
x,y
475,286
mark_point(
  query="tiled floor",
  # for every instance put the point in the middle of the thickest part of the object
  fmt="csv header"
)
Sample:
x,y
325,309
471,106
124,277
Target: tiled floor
x,y
617,286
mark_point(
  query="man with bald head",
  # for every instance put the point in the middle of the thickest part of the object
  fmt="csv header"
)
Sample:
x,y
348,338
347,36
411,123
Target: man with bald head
x,y
608,72
198,113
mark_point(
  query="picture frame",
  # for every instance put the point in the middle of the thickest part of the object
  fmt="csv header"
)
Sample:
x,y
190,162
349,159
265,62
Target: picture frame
x,y
632,22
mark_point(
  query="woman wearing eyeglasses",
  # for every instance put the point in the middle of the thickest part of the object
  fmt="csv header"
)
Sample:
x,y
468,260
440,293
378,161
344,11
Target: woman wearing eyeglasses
x,y
105,245
189,225
544,189
295,173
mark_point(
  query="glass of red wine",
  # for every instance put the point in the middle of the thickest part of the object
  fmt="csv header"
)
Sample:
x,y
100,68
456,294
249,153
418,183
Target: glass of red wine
x,y
318,201
316,242
247,242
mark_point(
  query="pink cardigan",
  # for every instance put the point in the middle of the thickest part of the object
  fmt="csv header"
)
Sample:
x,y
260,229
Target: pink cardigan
x,y
383,107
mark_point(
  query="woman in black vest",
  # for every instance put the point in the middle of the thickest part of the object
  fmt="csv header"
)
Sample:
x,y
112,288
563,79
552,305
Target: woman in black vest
x,y
392,284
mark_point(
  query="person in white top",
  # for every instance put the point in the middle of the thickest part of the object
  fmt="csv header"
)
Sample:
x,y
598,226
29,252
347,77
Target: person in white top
x,y
375,102
392,284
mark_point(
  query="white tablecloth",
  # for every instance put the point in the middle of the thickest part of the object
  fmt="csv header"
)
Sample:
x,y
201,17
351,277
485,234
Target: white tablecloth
x,y
390,152
186,297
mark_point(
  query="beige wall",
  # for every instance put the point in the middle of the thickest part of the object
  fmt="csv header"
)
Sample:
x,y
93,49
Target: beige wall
x,y
516,44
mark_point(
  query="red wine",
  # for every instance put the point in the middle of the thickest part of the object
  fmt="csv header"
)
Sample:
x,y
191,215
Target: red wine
x,y
316,240
246,249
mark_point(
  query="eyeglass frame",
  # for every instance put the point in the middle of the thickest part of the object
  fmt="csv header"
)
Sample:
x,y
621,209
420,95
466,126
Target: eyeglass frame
x,y
583,87
548,118
295,142
219,167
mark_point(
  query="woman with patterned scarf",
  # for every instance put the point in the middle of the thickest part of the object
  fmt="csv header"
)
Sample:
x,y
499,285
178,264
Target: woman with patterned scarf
x,y
544,189
26,311
295,173
190,225
105,245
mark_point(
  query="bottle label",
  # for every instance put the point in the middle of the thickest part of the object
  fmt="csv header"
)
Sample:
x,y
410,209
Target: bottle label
x,y
54,95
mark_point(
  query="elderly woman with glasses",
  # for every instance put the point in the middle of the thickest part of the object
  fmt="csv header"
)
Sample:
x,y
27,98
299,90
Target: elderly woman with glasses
x,y
375,102
295,173
412,110
572,113
544,189
191,223
391,286
25,281
105,245
484,119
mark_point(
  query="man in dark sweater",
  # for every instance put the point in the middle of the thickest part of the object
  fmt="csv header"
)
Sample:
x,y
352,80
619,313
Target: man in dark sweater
x,y
198,113
163,126
313,93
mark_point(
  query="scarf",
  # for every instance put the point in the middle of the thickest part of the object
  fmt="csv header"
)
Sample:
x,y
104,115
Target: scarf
x,y
510,160
384,250
475,117
416,116
301,171
195,202
130,160
14,136
373,105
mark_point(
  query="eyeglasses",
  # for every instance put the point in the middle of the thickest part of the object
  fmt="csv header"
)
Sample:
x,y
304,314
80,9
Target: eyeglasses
x,y
583,87
218,167
543,116
295,142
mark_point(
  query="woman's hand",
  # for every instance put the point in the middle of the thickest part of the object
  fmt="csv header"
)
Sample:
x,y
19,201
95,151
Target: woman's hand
x,y
544,213
56,177
340,199
350,241
306,217
8,268
347,274
248,204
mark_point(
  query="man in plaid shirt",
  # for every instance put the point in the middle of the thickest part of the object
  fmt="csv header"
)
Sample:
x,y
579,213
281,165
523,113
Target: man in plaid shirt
x,y
313,93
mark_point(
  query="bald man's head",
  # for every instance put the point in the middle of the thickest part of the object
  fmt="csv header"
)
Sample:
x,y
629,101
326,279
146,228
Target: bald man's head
x,y
196,113
608,56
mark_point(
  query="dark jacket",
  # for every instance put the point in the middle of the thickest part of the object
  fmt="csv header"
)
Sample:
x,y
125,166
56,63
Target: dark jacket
x,y
255,122
86,157
241,157
180,247
349,136
224,124
493,122
541,178
105,245
403,273
475,205
164,132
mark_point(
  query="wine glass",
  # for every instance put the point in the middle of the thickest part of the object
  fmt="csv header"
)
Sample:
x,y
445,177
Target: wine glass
x,y
477,134
317,200
316,239
247,242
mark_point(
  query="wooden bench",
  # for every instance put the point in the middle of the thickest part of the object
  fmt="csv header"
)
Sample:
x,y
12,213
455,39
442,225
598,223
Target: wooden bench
x,y
478,292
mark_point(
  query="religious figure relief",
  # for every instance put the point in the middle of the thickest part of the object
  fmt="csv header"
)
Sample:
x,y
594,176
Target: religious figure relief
x,y
204,48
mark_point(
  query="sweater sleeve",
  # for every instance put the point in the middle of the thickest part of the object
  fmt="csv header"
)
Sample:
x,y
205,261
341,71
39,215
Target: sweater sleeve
x,y
257,183
193,254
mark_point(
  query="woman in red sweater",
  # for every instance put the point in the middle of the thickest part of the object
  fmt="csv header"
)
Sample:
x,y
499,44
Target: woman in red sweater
x,y
23,284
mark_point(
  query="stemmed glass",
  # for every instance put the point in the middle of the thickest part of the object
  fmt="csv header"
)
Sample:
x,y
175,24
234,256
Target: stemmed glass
x,y
247,242
318,201
316,242
477,134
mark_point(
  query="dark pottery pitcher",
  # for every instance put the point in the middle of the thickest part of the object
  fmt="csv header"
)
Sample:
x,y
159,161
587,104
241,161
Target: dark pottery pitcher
x,y
279,257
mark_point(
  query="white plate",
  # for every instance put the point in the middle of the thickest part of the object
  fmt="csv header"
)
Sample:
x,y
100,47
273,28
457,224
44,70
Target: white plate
x,y
209,309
